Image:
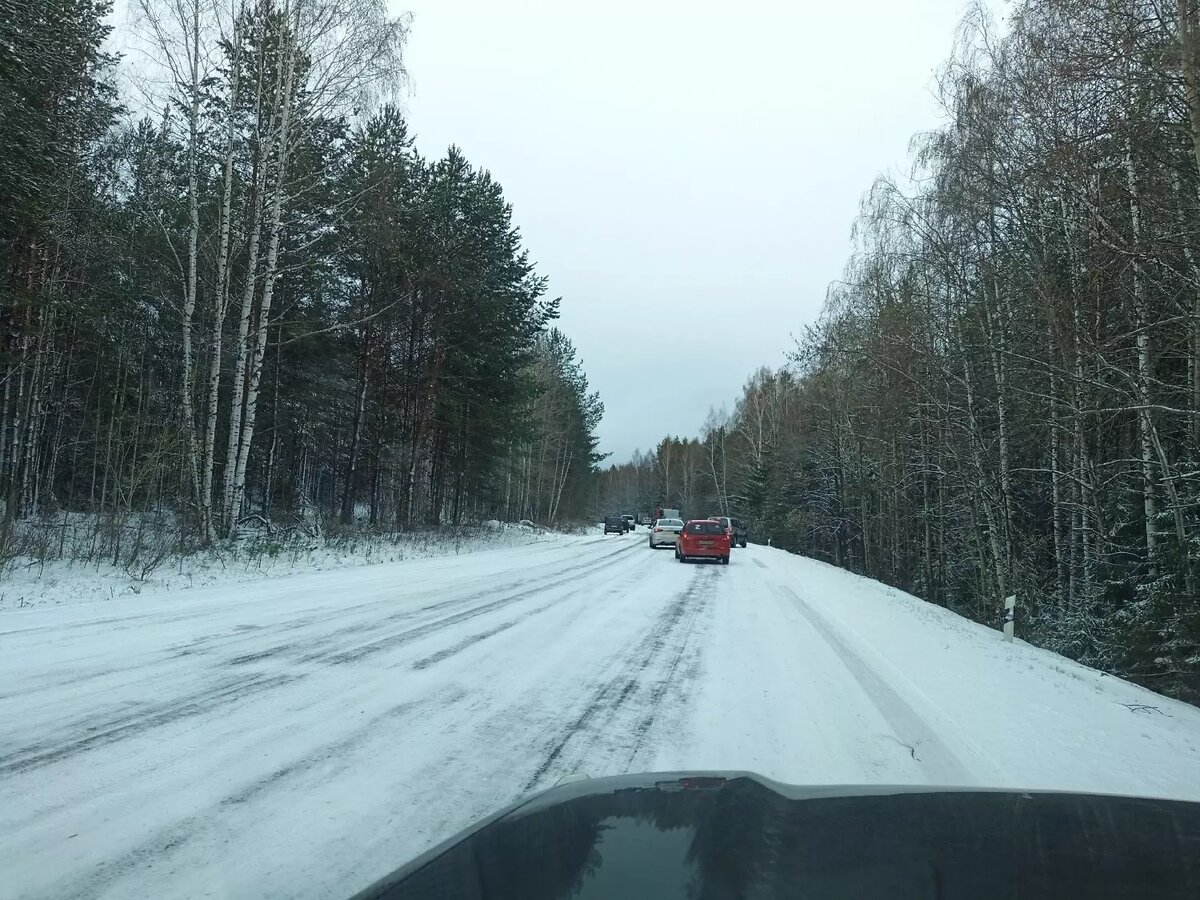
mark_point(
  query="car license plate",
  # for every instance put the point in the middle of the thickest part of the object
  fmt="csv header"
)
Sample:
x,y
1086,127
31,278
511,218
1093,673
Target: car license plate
x,y
706,545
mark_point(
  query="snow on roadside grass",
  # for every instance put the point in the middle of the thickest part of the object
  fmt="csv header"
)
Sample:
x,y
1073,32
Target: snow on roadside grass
x,y
27,582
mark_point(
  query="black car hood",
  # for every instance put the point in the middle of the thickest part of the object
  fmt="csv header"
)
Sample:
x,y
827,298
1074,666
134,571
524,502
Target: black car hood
x,y
738,835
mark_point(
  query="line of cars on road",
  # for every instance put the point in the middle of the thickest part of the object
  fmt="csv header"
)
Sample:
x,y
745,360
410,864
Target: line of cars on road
x,y
711,538
619,524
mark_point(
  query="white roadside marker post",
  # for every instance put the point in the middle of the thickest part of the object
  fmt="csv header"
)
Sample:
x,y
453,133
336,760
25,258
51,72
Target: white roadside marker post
x,y
1010,613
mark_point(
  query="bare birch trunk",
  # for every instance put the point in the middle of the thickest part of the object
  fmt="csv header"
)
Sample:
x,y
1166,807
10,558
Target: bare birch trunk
x,y
60,420
221,302
282,143
349,493
112,429
241,363
33,418
189,296
1190,65
561,484
1056,491
976,452
1144,363
5,422
1083,483
13,498
1177,510
269,474
996,326
1195,363
1080,547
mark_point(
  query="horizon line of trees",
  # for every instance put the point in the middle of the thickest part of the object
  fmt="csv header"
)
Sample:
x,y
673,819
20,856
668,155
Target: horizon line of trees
x,y
1003,393
260,300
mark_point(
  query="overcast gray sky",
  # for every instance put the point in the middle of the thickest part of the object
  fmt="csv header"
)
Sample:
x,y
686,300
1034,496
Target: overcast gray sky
x,y
686,174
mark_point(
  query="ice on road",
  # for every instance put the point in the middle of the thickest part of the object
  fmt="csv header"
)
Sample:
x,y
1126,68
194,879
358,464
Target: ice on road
x,y
303,736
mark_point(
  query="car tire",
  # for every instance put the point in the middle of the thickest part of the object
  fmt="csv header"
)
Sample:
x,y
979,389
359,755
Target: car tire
x,y
724,560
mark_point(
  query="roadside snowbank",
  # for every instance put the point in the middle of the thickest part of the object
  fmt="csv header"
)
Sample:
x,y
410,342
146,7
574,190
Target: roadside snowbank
x,y
27,582
1028,716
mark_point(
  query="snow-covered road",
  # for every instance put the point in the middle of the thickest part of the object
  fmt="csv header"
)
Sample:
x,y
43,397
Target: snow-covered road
x,y
302,736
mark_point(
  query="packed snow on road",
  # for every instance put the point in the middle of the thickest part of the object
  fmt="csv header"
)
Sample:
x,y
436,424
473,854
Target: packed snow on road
x,y
302,736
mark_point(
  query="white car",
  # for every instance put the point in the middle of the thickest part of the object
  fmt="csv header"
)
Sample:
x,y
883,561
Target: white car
x,y
665,533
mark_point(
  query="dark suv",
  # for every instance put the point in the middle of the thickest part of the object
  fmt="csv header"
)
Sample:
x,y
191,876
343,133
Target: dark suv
x,y
738,533
615,525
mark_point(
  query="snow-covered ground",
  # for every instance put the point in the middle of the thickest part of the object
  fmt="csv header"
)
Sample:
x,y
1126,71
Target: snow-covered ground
x,y
301,736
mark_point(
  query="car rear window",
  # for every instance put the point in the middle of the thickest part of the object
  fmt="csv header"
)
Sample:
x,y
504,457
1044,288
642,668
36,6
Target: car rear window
x,y
678,523
704,528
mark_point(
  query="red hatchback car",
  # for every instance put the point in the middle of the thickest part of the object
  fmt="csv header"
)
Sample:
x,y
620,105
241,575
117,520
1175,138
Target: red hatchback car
x,y
703,539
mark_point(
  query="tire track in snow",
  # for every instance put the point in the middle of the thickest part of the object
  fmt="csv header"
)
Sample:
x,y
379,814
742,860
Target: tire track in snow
x,y
254,634
471,640
328,759
629,577
97,731
526,590
335,755
523,582
198,703
653,716
909,728
201,611
667,636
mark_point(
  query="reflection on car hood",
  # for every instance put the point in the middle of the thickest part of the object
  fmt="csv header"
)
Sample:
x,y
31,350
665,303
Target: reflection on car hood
x,y
737,835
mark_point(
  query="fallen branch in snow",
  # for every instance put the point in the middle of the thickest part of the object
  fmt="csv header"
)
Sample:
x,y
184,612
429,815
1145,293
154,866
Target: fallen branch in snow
x,y
1143,708
908,747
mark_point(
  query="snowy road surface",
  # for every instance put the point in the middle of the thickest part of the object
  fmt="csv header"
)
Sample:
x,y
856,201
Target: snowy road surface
x,y
302,736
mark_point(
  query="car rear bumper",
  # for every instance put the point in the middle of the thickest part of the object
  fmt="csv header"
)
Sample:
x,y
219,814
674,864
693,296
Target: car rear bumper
x,y
664,538
704,552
